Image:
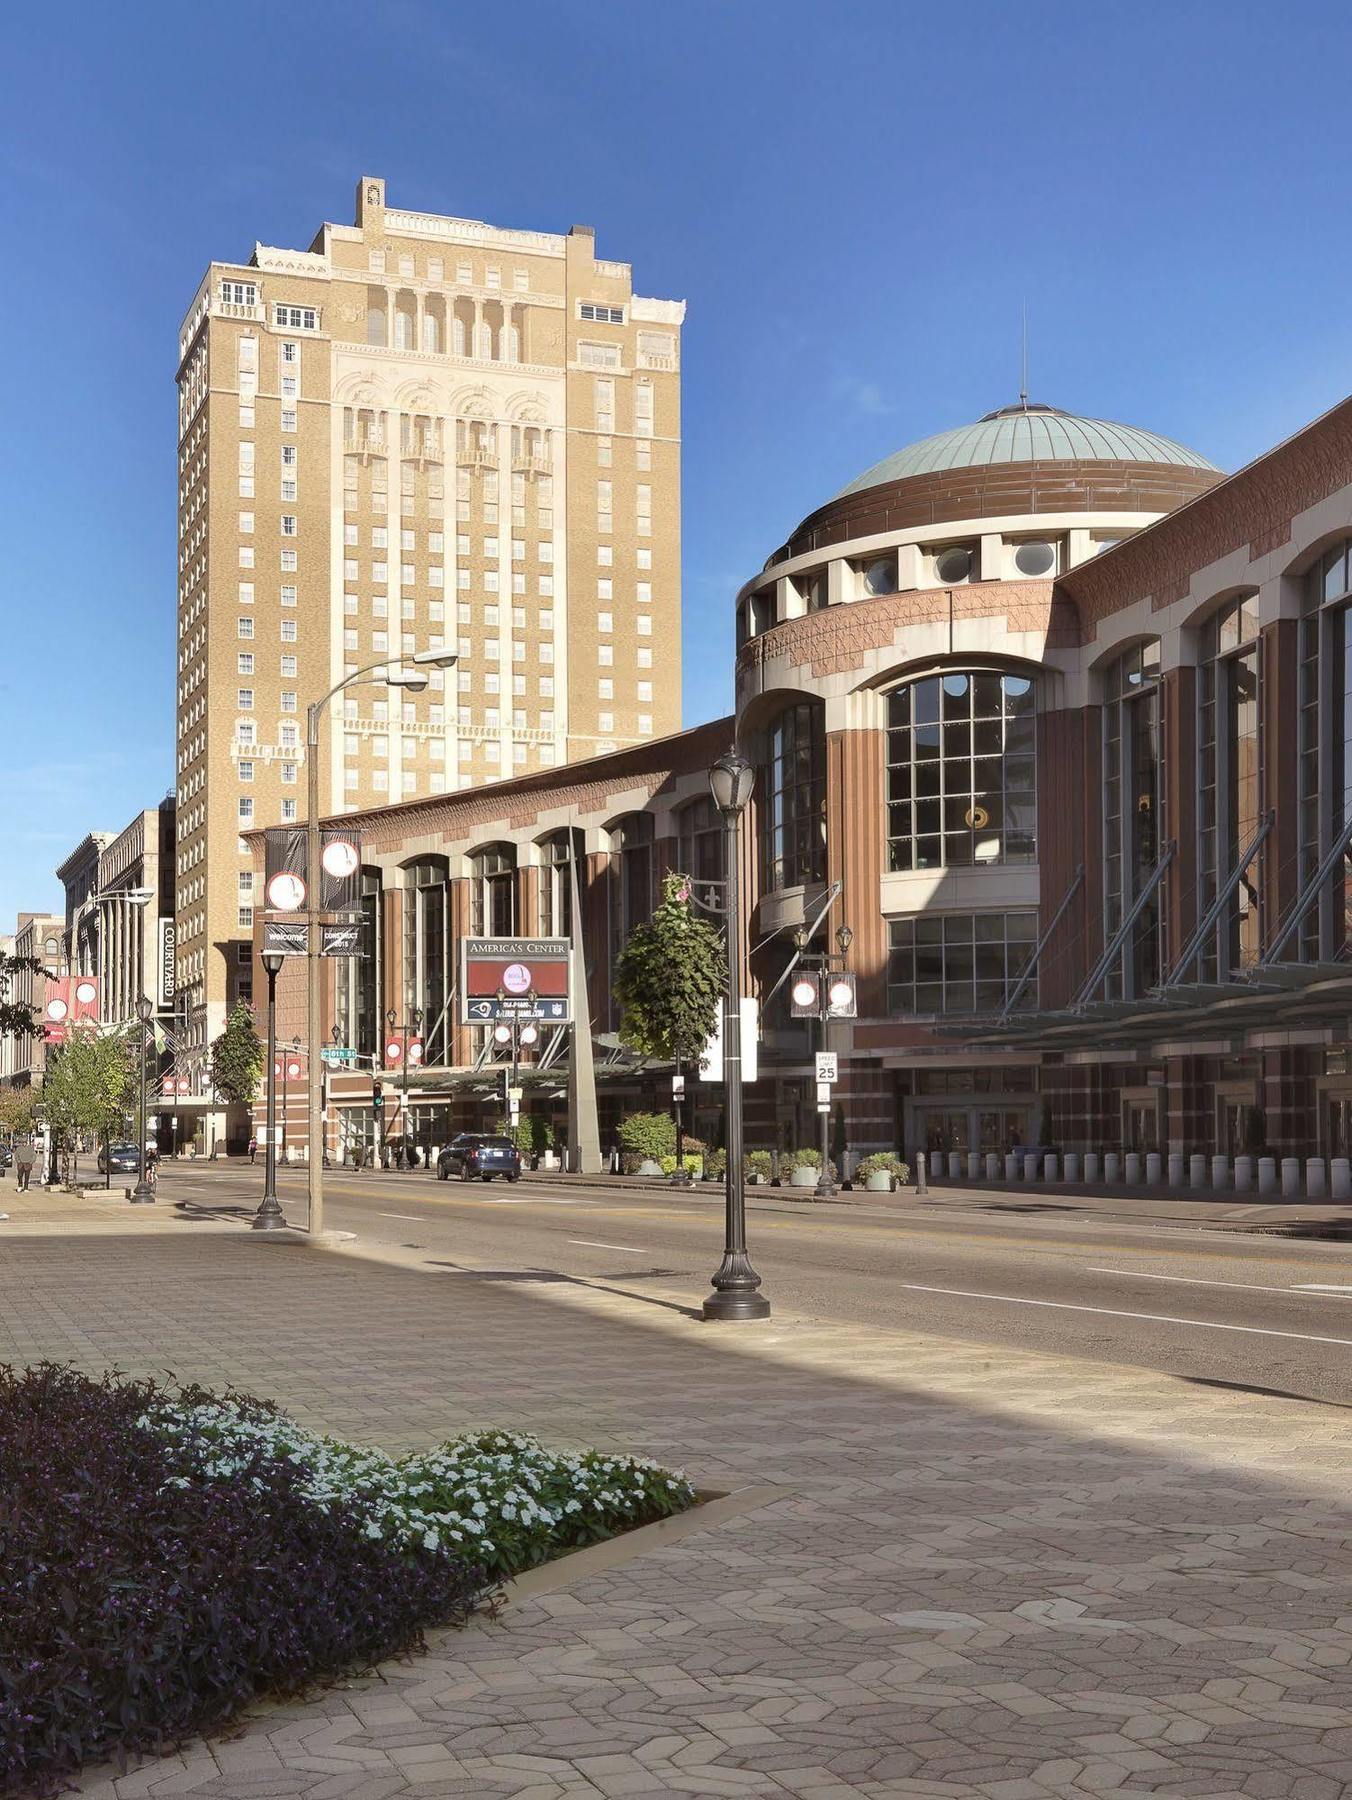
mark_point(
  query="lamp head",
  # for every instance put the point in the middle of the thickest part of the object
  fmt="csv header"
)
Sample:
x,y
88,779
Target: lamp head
x,y
145,1010
435,659
272,961
390,1018
844,938
731,780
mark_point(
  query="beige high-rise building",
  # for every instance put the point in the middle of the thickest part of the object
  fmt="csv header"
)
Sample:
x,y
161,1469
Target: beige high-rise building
x,y
421,431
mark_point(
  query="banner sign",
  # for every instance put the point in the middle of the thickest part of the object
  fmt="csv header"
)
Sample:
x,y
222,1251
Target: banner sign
x,y
286,878
516,978
168,969
283,937
711,1062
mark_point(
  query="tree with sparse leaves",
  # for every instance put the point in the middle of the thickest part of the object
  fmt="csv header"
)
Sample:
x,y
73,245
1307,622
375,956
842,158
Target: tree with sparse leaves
x,y
16,1019
237,1057
88,1087
670,978
16,1110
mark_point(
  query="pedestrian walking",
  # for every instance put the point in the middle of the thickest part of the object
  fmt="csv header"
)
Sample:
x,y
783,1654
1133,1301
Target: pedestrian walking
x,y
253,1149
25,1154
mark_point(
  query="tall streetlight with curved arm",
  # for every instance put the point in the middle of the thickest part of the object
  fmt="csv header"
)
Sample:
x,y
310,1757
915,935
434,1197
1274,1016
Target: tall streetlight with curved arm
x,y
410,673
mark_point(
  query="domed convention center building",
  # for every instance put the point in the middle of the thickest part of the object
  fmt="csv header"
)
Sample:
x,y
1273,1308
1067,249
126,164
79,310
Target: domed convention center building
x,y
1053,717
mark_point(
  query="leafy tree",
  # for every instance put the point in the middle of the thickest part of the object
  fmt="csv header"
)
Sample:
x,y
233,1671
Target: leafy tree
x,y
670,978
17,1020
87,1087
237,1057
16,1110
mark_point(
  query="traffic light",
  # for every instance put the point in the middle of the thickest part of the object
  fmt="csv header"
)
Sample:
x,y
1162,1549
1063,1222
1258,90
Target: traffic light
x,y
377,1096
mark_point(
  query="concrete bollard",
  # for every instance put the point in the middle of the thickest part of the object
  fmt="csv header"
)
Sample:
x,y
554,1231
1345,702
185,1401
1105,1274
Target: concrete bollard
x,y
1029,1170
955,1165
1267,1175
936,1164
1011,1167
1243,1174
1072,1165
1091,1166
1154,1164
973,1165
1340,1178
1175,1168
992,1166
1133,1166
1290,1177
1197,1171
1220,1172
1314,1178
1112,1166
1049,1167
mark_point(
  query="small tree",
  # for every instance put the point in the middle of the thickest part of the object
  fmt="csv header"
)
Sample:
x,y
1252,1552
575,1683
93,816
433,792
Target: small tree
x,y
237,1057
648,1137
669,978
16,1110
87,1087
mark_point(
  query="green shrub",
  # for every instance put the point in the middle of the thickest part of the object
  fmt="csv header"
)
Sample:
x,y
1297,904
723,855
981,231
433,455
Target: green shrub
x,y
807,1157
758,1163
693,1162
883,1162
530,1134
648,1136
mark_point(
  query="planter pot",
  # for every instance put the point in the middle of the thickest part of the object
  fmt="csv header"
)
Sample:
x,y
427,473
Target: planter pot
x,y
649,1167
803,1178
879,1182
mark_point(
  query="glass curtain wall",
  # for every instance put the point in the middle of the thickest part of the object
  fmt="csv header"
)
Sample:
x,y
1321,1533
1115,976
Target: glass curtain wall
x,y
427,954
792,794
556,888
492,899
961,771
358,987
1133,835
1229,784
1326,746
701,840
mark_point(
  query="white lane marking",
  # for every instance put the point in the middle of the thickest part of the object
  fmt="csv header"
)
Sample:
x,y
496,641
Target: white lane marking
x,y
1322,1287
1109,1312
533,1200
1252,1287
592,1244
413,1218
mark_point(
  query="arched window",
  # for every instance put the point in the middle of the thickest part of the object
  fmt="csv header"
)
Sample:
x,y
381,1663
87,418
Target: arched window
x,y
492,897
1325,747
427,953
51,946
961,770
357,996
631,843
1133,824
701,840
1228,797
375,316
556,888
792,792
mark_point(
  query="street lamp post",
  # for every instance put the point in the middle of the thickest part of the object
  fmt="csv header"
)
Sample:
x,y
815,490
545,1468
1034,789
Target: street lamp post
x,y
736,1284
824,997
414,679
516,1032
413,1024
269,1216
143,1194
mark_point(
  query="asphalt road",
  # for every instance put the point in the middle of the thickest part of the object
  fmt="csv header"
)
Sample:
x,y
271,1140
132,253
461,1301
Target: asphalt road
x,y
1249,1311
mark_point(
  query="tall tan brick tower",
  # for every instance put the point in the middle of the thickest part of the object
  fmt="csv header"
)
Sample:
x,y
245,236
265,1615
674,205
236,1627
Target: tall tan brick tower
x,y
422,430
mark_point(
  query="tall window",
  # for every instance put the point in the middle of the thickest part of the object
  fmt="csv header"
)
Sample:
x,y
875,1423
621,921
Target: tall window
x,y
358,990
958,962
1326,745
1133,828
631,844
701,840
792,790
1228,782
961,771
427,953
556,888
493,891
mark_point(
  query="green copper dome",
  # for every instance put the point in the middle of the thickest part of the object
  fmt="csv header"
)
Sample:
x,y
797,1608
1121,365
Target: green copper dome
x,y
1023,434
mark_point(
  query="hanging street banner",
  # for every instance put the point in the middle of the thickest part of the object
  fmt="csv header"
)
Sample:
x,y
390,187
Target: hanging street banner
x,y
286,881
711,1060
292,939
514,978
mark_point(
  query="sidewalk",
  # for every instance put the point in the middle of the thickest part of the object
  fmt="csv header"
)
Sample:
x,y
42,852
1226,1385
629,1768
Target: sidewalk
x,y
1005,1576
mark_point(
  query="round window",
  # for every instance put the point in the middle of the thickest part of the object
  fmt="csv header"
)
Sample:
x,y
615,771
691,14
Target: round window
x,y
954,564
1035,558
881,577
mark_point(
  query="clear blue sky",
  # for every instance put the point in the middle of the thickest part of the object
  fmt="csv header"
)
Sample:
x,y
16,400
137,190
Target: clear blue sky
x,y
854,198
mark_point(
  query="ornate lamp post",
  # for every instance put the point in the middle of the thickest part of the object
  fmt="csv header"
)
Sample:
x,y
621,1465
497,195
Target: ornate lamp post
x,y
736,1284
143,1194
411,1026
269,1216
824,991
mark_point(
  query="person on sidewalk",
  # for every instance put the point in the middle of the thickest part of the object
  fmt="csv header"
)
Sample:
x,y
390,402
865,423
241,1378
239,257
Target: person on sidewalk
x,y
253,1149
25,1154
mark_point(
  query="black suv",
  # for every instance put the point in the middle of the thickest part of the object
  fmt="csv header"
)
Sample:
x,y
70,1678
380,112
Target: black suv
x,y
471,1154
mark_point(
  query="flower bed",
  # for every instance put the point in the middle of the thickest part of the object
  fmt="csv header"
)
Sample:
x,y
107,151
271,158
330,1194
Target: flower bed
x,y
167,1556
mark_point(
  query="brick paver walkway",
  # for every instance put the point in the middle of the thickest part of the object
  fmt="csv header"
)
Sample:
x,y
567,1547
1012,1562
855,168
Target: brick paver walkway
x,y
984,1574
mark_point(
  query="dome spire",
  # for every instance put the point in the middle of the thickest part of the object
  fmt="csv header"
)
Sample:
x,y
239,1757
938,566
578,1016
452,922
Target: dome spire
x,y
1023,360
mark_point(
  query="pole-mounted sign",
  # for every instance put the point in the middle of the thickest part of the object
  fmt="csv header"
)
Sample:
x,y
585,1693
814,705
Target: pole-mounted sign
x,y
514,978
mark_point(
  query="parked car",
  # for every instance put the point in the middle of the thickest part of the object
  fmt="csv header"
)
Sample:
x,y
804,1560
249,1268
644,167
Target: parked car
x,y
472,1154
6,1157
119,1159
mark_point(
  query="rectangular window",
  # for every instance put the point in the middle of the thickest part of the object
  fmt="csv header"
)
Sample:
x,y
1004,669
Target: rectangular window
x,y
288,772
958,962
605,688
605,721
600,315
288,418
288,595
645,659
598,356
239,293
296,318
643,409
246,771
288,665
644,593
605,655
245,733
288,487
288,524
605,621
245,662
244,627
288,562
290,353
246,556
605,588
244,699
645,559
288,700
644,625
245,809
605,555
288,456
521,280
289,389
288,811
245,915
